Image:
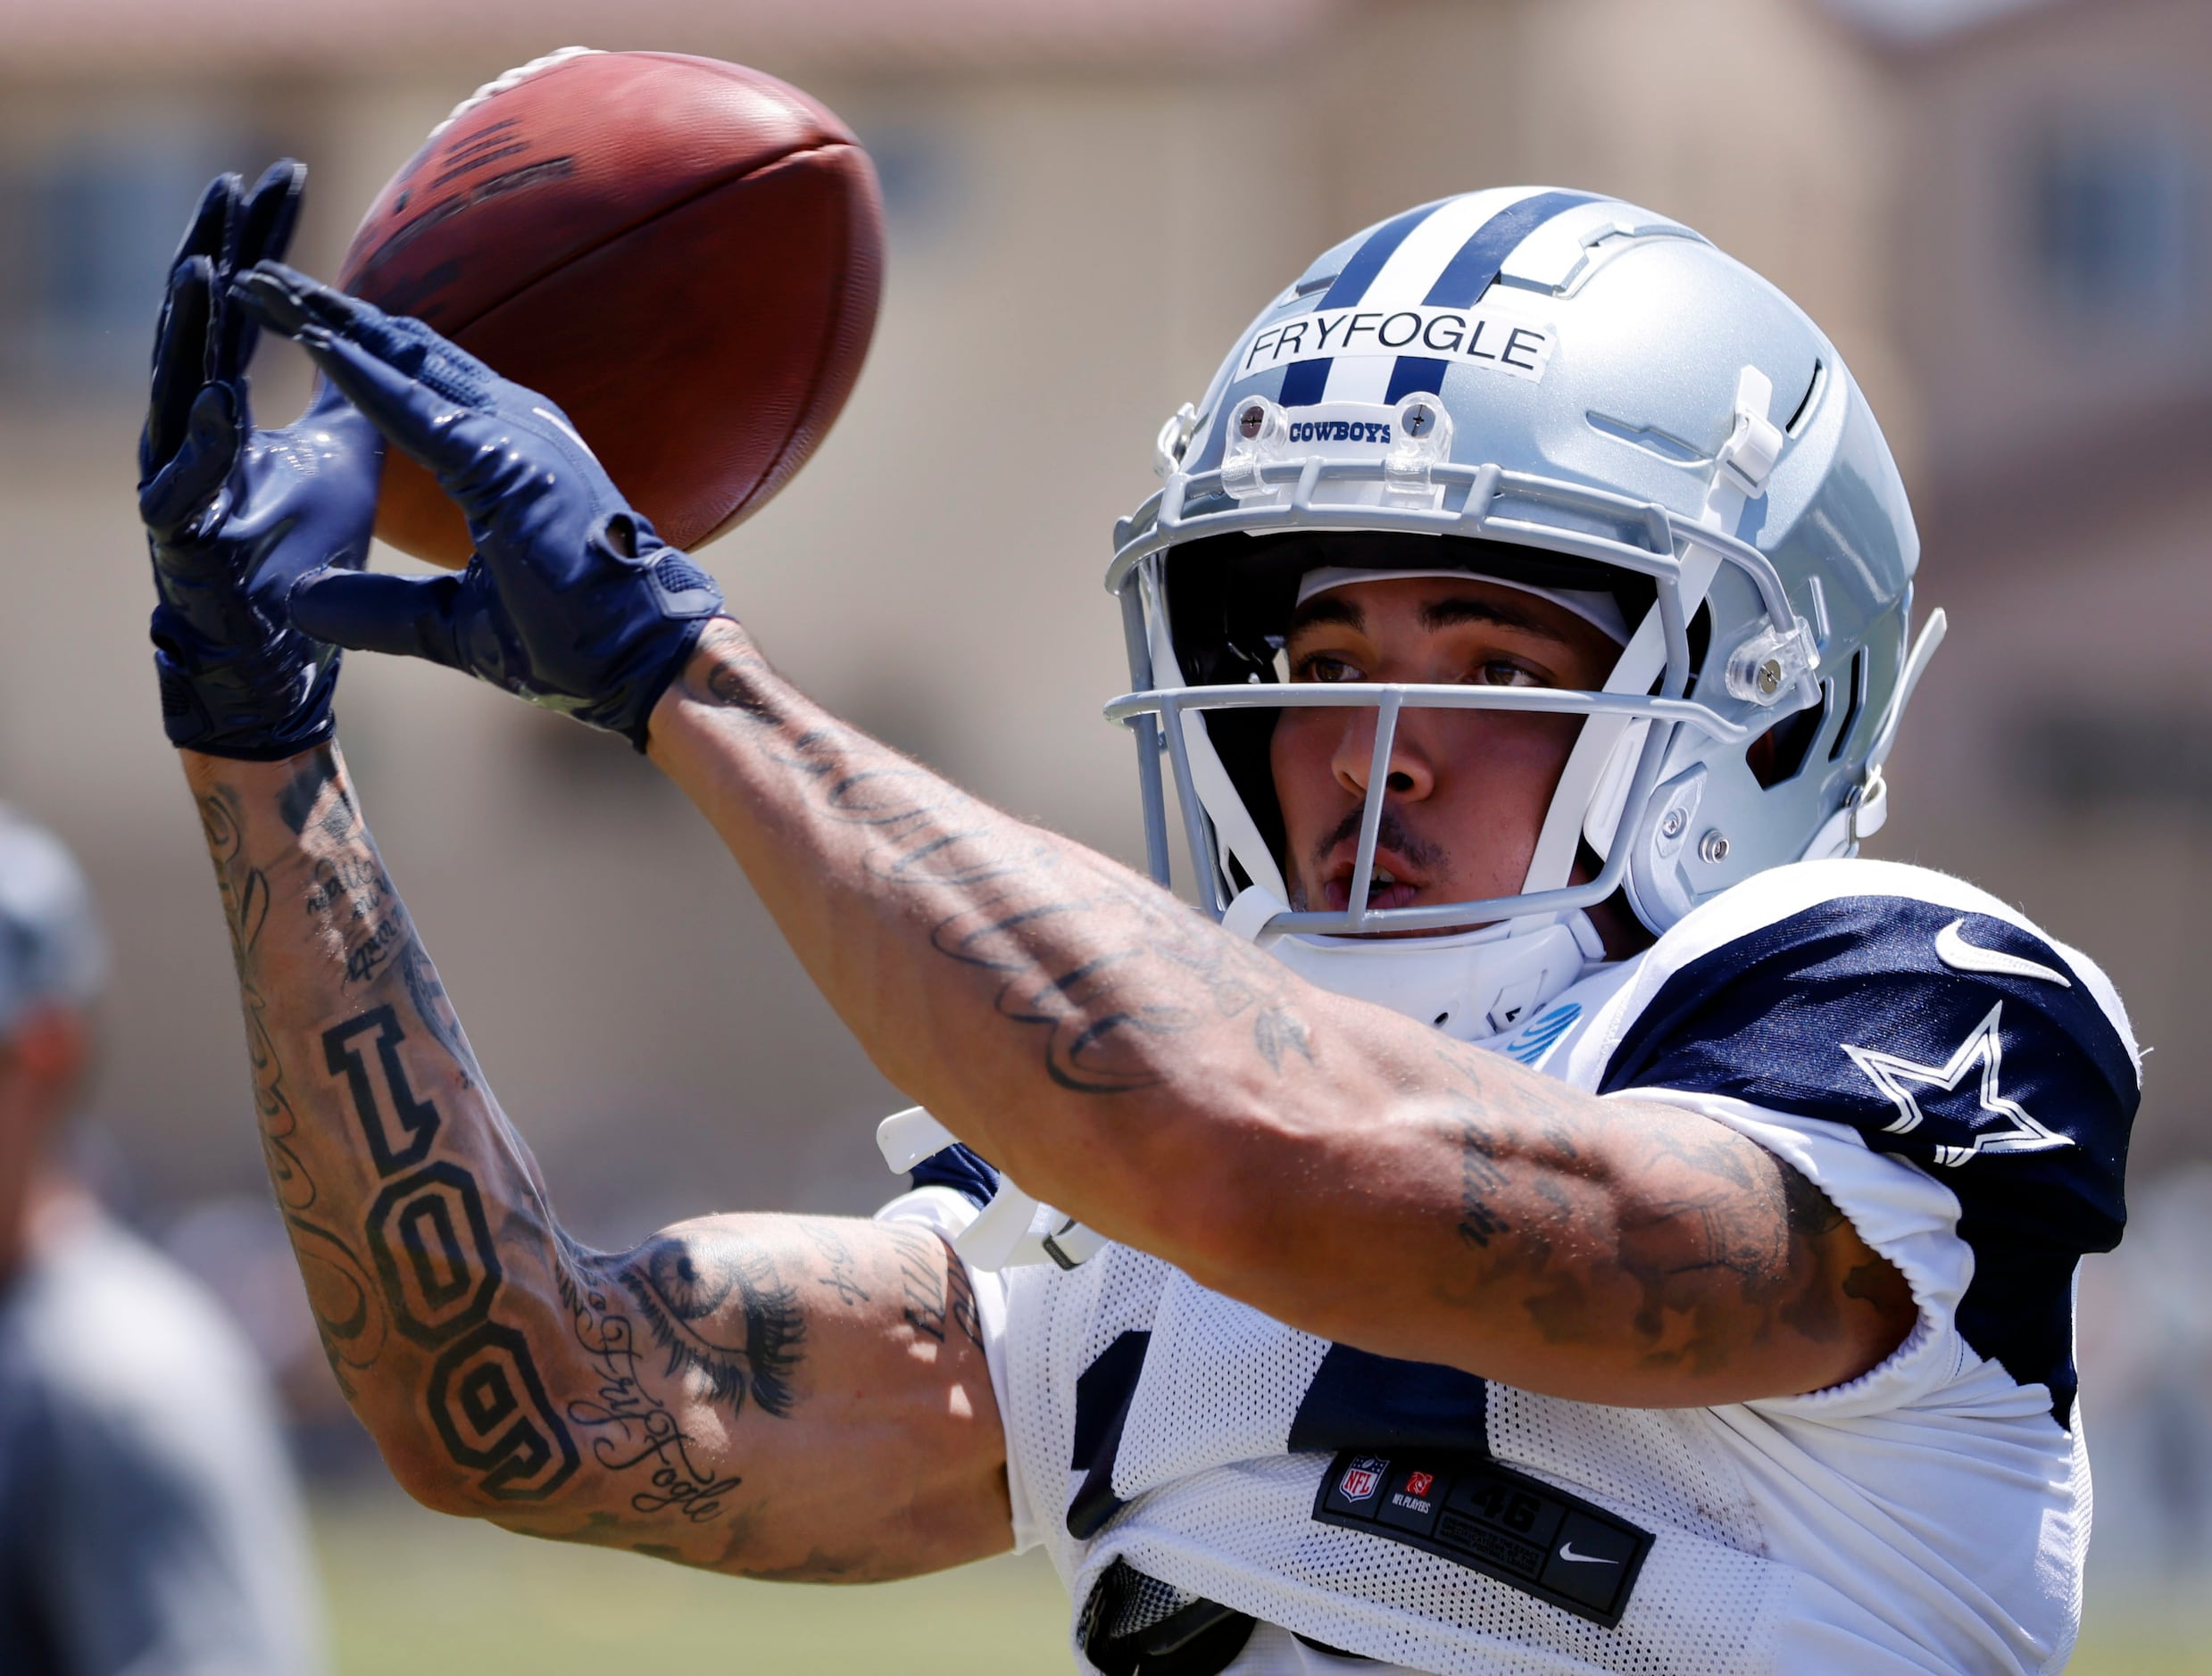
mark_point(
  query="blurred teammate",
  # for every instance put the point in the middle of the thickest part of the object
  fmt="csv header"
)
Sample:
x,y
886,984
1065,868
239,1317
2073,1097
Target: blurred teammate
x,y
148,1523
1600,1225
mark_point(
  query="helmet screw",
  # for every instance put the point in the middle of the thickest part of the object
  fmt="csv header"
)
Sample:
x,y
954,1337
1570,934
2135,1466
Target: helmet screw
x,y
1249,421
1672,823
1714,846
1770,676
1417,420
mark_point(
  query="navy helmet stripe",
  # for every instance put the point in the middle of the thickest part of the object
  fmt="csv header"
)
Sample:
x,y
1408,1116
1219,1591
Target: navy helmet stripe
x,y
1472,270
1414,372
1305,381
1352,284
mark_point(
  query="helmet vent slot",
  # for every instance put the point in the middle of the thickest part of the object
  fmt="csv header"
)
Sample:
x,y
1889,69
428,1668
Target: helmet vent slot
x,y
1812,394
1856,707
1652,440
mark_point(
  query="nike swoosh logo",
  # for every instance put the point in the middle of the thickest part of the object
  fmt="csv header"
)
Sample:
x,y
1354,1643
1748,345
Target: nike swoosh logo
x,y
1961,955
1567,1552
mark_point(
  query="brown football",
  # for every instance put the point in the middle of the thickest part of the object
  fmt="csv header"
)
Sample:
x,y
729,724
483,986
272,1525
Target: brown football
x,y
685,254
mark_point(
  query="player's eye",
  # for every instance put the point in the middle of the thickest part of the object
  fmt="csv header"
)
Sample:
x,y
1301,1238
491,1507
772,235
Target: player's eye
x,y
1505,672
1321,665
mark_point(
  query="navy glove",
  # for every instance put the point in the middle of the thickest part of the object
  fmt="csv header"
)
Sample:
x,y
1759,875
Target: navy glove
x,y
570,599
235,516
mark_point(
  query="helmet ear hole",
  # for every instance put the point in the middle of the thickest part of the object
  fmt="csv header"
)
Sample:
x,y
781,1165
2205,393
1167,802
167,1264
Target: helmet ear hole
x,y
1781,753
1858,704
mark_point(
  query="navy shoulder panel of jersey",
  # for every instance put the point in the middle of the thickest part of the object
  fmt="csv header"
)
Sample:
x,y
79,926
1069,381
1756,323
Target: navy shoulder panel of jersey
x,y
960,1170
1957,1040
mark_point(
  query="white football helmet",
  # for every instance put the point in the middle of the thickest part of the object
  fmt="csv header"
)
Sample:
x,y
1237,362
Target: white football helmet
x,y
1563,392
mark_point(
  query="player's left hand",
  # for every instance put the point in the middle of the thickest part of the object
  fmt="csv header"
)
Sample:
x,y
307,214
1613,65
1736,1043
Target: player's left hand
x,y
570,600
235,516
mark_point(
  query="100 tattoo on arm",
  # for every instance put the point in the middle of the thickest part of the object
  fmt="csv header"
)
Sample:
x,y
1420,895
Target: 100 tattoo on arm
x,y
439,1282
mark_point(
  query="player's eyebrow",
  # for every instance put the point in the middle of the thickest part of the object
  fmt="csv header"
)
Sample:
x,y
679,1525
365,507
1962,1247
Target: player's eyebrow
x,y
1328,608
1449,613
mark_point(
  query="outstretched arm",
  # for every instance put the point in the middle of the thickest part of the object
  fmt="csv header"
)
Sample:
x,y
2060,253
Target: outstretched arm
x,y
784,1398
769,1395
1345,1169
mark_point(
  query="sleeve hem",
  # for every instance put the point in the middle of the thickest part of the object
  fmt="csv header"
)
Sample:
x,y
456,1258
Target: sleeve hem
x,y
946,1212
1904,1215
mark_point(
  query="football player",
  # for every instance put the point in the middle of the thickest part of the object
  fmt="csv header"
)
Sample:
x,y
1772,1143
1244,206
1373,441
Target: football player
x,y
1549,1208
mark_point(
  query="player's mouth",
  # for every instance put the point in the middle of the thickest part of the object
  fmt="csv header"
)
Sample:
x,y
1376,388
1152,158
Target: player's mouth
x,y
1393,883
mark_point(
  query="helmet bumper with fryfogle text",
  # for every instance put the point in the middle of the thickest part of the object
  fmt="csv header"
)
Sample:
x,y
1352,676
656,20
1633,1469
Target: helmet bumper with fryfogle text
x,y
1603,390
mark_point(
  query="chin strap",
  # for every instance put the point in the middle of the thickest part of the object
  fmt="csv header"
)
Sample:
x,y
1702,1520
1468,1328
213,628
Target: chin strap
x,y
1469,984
1868,811
1246,919
1014,1230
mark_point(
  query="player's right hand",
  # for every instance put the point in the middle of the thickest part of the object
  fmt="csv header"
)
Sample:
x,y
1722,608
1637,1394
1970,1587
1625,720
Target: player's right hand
x,y
570,600
233,516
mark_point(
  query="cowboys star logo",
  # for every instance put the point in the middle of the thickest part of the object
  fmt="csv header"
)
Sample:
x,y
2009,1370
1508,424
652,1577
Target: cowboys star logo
x,y
1985,1047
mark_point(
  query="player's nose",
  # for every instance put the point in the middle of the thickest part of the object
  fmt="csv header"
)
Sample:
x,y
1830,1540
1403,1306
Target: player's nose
x,y
1409,770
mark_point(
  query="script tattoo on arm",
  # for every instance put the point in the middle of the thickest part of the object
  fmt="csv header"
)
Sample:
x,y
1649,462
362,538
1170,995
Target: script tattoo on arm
x,y
1343,1168
938,1294
841,1275
1107,969
630,1426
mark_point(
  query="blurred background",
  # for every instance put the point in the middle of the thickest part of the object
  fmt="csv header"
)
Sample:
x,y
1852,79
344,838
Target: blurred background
x,y
1999,210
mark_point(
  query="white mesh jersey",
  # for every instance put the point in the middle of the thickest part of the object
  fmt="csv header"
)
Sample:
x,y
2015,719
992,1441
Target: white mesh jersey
x,y
1958,1083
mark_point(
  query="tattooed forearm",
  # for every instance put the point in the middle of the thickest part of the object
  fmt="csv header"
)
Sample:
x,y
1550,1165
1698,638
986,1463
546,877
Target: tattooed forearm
x,y
393,1231
246,899
430,1242
506,1373
435,1011
1176,1088
1109,970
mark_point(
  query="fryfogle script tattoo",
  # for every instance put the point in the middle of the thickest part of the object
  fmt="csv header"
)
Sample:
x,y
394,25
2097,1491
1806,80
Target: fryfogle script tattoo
x,y
631,1429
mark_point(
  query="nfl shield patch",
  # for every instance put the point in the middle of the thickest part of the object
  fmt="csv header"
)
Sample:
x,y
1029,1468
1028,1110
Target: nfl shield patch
x,y
1362,1478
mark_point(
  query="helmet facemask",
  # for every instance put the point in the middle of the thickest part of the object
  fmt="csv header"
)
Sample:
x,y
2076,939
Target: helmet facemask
x,y
1232,603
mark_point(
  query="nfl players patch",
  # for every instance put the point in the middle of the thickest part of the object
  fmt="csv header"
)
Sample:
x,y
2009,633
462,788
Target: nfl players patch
x,y
1491,1519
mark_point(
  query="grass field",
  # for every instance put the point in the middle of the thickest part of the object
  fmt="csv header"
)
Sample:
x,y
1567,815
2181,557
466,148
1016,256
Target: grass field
x,y
412,1594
